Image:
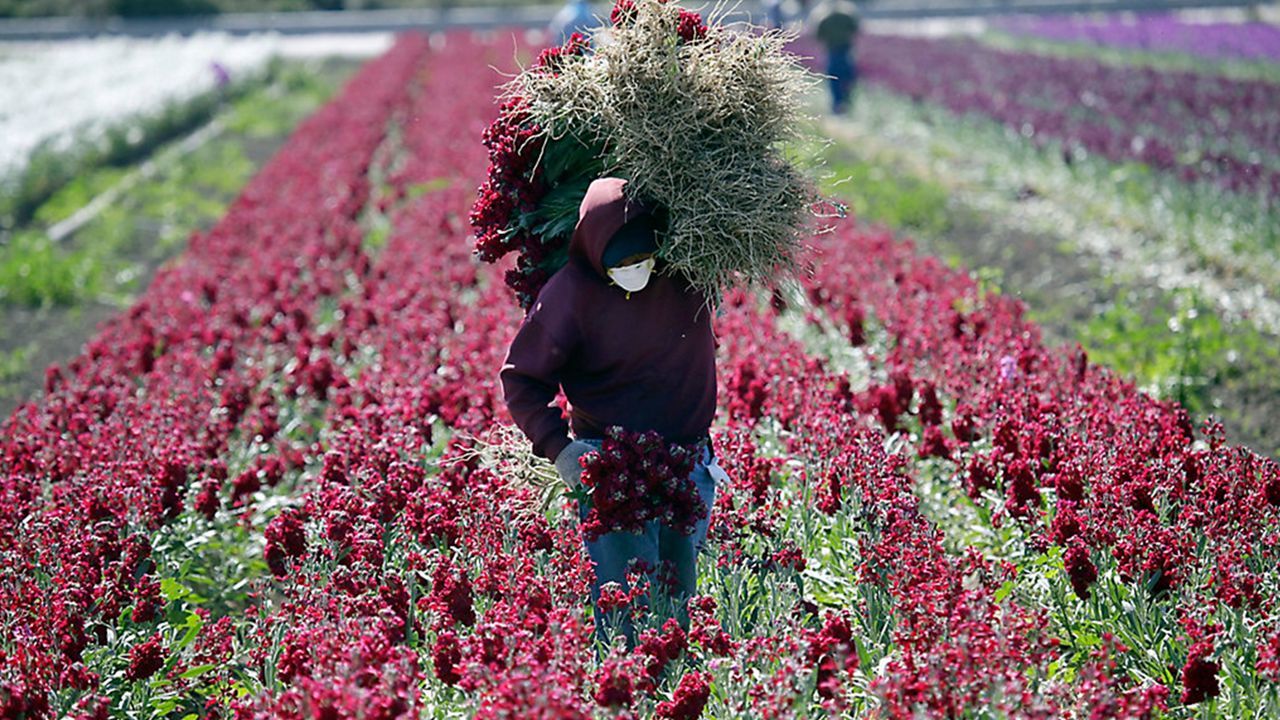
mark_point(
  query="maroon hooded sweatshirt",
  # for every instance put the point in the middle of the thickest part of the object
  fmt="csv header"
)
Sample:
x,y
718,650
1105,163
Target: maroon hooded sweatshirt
x,y
644,363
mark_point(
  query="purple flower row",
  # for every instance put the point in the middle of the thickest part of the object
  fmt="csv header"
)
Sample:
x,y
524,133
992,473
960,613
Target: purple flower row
x,y
1201,127
1157,32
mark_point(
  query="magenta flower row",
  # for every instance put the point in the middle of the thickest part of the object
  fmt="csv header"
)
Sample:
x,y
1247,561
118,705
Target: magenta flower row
x,y
1199,127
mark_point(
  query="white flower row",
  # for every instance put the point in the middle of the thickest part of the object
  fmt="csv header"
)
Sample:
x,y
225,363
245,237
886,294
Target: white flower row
x,y
66,92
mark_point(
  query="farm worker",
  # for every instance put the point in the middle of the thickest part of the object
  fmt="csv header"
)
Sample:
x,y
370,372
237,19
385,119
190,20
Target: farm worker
x,y
574,17
835,24
631,347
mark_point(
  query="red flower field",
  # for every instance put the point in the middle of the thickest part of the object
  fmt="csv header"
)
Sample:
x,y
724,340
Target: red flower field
x,y
255,492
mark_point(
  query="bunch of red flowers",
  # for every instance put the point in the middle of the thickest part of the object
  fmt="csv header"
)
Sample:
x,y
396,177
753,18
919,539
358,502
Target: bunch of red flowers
x,y
504,216
514,182
690,27
638,477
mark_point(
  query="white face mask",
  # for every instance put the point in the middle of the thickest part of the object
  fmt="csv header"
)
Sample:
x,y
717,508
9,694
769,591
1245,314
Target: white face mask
x,y
632,278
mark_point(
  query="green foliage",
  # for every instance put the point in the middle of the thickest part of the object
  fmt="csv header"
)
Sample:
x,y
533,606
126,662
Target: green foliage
x,y
35,271
877,194
295,91
558,214
1181,353
568,165
77,193
107,257
13,363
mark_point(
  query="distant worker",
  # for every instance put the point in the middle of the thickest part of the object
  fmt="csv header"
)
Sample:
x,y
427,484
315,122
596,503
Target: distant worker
x,y
835,24
575,16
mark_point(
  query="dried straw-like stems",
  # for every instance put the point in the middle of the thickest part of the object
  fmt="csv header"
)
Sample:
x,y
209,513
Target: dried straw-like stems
x,y
504,450
698,128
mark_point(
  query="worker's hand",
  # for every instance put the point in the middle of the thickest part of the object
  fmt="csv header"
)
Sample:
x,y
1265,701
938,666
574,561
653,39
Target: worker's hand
x,y
568,466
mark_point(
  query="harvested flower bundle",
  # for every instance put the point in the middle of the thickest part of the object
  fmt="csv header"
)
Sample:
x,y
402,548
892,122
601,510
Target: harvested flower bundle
x,y
694,115
502,449
637,477
634,477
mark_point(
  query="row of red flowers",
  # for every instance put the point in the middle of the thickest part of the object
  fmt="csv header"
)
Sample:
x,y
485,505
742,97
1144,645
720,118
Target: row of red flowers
x,y
527,630
1076,456
141,429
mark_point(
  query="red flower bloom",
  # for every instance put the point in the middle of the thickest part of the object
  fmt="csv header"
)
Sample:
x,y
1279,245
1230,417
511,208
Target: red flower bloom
x,y
934,444
451,593
1066,523
614,688
1199,674
661,648
623,13
146,659
689,698
638,477
855,318
930,406
207,501
286,540
1080,569
552,59
690,27
446,656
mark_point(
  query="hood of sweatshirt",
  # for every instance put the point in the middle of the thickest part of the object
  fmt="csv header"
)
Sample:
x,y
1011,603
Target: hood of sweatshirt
x,y
604,210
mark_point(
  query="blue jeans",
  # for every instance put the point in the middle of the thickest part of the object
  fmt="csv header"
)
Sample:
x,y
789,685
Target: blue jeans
x,y
656,544
842,76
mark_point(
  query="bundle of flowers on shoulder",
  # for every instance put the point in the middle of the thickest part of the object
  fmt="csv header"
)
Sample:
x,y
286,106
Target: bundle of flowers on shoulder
x,y
505,451
702,116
